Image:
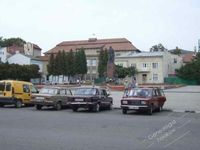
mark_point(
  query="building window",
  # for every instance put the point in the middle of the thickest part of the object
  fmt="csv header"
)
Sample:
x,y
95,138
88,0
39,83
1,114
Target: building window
x,y
175,60
155,65
117,54
121,64
155,77
133,65
144,65
94,62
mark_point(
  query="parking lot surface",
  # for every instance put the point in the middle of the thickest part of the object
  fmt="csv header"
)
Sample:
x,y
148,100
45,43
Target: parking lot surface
x,y
29,129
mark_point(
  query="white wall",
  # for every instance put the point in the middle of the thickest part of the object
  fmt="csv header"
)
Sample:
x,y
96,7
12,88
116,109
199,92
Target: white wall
x,y
3,54
19,59
39,63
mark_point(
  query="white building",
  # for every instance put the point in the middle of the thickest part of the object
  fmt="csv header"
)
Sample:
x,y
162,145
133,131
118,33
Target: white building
x,y
3,54
22,59
152,67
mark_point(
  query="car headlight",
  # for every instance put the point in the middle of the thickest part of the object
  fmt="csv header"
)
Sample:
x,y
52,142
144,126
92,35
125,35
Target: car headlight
x,y
124,102
143,102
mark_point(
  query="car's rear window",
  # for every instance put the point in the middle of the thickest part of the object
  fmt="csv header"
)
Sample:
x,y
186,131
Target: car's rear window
x,y
49,91
138,93
85,91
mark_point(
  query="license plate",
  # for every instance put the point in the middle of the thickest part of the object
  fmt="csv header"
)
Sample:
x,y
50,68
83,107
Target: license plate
x,y
134,107
79,100
39,98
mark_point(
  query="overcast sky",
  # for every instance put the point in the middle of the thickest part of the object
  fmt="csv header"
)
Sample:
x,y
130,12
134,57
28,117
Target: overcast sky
x,y
143,22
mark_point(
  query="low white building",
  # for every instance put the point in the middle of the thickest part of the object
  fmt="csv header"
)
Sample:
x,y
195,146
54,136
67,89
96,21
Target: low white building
x,y
152,67
22,59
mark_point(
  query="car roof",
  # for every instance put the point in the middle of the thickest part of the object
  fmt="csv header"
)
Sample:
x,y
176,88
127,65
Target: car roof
x,y
88,87
56,87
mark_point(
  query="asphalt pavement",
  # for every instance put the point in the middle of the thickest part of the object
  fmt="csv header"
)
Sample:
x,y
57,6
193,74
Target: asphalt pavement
x,y
29,129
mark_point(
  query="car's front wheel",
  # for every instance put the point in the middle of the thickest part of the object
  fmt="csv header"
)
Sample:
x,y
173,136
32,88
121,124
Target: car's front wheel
x,y
38,107
18,104
96,108
58,106
75,109
150,111
110,107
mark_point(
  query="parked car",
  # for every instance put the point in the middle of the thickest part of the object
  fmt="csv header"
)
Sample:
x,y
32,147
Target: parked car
x,y
147,99
52,96
92,98
16,92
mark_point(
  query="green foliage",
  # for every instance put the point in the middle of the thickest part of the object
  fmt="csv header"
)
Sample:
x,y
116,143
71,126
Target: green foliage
x,y
102,66
80,62
51,65
158,48
191,71
18,72
177,51
68,64
11,41
122,72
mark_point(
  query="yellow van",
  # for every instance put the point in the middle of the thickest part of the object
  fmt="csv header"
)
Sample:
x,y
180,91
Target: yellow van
x,y
16,92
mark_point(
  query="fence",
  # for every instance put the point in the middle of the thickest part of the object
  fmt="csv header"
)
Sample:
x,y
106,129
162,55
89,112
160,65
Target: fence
x,y
177,80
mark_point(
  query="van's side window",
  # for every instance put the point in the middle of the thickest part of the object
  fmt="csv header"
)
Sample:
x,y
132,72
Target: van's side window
x,y
8,86
2,86
26,88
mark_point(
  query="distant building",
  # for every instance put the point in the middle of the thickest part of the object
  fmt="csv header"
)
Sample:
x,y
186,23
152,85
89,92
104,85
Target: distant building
x,y
28,49
152,67
187,56
92,47
23,59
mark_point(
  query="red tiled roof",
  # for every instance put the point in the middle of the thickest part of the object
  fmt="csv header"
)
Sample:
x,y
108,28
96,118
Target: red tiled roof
x,y
118,44
12,49
188,57
35,46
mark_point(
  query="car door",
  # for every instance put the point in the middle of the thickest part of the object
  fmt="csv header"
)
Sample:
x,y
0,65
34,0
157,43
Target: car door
x,y
26,93
161,97
104,98
62,96
155,99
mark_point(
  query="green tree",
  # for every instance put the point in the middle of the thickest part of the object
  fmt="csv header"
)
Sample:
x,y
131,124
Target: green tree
x,y
191,71
177,51
122,72
71,64
83,62
158,48
11,41
58,64
19,72
51,65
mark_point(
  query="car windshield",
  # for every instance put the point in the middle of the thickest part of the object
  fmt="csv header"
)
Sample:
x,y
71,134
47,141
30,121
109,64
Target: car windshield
x,y
48,91
138,93
85,91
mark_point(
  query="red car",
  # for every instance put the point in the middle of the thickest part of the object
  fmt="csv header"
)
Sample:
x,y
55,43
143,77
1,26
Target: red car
x,y
143,99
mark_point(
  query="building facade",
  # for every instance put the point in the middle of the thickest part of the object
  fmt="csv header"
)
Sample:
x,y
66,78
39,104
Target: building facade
x,y
92,48
152,67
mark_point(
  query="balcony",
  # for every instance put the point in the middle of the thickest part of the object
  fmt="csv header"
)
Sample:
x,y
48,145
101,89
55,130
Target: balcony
x,y
143,69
